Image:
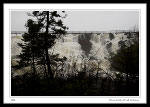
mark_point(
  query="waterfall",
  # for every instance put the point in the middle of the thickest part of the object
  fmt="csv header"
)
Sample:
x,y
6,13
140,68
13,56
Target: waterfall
x,y
68,46
74,47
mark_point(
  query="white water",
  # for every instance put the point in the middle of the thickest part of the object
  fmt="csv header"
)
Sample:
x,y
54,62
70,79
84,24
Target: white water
x,y
69,47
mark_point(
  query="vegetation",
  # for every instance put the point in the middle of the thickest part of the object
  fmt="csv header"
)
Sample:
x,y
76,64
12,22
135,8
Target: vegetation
x,y
126,61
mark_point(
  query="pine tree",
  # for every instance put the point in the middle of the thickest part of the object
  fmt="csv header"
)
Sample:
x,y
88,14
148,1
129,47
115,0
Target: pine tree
x,y
30,46
53,28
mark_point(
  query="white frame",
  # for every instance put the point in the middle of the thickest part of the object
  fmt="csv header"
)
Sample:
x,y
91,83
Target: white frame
x,y
74,99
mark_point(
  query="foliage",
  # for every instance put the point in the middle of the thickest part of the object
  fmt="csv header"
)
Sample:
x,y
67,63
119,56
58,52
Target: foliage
x,y
36,42
127,59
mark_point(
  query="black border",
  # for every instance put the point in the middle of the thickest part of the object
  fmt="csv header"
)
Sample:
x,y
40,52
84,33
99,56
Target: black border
x,y
104,1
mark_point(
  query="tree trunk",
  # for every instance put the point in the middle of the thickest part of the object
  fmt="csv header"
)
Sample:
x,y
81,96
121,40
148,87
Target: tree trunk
x,y
46,48
45,69
34,70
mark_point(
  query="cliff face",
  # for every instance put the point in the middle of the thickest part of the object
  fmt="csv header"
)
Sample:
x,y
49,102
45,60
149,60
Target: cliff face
x,y
96,47
78,48
88,43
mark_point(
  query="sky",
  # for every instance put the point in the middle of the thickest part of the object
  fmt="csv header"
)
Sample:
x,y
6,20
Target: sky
x,y
85,20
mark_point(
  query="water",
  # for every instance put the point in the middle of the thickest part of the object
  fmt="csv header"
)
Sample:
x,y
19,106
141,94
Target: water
x,y
80,47
83,49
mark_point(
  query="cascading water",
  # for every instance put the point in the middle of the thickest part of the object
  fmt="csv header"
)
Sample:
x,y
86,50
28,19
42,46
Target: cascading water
x,y
97,47
78,48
